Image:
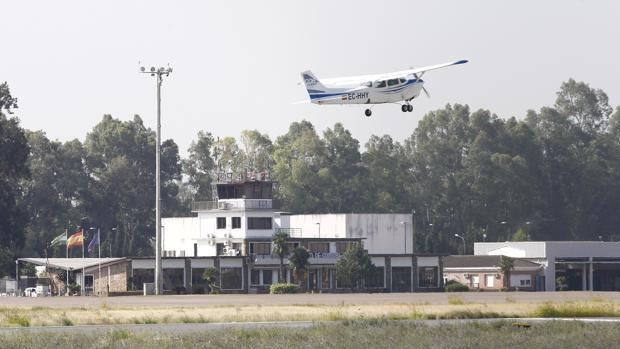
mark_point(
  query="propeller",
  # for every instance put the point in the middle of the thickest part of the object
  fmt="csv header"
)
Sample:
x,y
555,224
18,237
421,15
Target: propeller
x,y
423,88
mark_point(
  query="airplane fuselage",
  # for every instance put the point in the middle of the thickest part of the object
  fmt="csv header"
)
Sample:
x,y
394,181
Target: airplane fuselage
x,y
404,90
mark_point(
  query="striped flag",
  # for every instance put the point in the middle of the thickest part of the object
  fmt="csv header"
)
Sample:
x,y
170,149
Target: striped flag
x,y
75,240
59,240
94,242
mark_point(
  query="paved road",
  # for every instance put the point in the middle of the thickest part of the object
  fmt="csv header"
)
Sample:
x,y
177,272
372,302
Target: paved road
x,y
201,327
190,301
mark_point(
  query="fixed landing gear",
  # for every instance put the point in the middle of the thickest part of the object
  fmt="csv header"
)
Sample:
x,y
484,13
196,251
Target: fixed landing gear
x,y
368,112
406,108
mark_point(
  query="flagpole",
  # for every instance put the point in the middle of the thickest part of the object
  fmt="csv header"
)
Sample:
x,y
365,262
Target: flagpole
x,y
83,276
67,256
99,254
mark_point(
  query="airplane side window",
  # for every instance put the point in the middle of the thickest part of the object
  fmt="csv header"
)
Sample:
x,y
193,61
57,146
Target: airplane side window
x,y
380,83
392,82
401,80
368,84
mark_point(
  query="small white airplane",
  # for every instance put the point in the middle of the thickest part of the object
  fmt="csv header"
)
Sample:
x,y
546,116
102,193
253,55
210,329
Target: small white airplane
x,y
401,86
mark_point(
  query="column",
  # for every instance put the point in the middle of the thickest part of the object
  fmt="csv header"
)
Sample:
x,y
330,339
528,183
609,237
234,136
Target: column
x,y
591,281
584,278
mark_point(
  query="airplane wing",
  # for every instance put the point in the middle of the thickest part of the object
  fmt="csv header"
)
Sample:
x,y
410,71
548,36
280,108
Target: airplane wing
x,y
421,70
360,79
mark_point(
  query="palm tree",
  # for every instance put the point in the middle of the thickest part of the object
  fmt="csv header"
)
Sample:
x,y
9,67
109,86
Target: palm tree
x,y
280,248
506,264
298,262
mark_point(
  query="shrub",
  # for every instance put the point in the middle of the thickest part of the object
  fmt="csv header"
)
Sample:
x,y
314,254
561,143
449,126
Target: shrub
x,y
455,286
198,289
283,288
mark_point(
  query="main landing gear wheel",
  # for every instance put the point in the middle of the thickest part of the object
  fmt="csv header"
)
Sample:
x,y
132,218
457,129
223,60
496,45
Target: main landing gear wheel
x,y
368,112
403,108
409,108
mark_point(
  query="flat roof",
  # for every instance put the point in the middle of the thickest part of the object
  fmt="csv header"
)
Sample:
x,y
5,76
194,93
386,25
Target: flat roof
x,y
70,263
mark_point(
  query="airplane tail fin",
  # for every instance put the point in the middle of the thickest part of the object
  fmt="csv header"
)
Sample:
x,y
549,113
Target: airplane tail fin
x,y
313,84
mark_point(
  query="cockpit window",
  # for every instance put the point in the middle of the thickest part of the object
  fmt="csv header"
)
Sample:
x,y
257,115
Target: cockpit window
x,y
368,84
402,80
380,83
392,82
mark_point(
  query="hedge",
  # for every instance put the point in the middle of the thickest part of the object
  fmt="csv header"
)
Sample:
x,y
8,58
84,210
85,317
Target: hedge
x,y
455,286
283,288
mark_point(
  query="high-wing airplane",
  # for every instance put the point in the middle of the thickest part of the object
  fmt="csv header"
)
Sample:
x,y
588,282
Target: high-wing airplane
x,y
397,87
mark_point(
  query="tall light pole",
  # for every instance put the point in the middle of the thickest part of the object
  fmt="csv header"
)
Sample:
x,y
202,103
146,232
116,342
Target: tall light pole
x,y
159,73
462,238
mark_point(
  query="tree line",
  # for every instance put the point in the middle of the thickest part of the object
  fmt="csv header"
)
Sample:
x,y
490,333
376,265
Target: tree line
x,y
552,174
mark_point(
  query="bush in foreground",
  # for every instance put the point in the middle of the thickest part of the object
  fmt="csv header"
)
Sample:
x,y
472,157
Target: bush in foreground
x,y
283,288
455,286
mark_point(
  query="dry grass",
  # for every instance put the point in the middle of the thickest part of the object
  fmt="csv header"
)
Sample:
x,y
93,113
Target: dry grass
x,y
38,316
348,334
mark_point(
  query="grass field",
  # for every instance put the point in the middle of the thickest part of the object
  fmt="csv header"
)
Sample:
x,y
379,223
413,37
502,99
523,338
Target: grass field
x,y
454,308
349,334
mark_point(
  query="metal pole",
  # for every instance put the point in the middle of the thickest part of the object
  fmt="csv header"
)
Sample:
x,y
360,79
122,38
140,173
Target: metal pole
x,y
158,280
158,267
17,291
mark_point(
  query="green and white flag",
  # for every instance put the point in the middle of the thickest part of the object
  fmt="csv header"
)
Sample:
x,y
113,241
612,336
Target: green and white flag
x,y
59,240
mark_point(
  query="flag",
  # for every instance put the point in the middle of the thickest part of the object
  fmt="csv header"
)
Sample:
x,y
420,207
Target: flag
x,y
59,240
77,239
94,242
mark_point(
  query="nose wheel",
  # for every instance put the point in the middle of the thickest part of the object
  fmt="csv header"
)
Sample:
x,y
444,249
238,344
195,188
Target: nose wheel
x,y
406,108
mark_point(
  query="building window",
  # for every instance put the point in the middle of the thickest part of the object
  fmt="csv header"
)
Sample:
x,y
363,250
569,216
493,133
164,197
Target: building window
x,y
376,278
230,278
401,279
527,282
219,249
221,222
255,277
319,247
427,276
260,247
326,278
342,246
262,223
267,276
236,222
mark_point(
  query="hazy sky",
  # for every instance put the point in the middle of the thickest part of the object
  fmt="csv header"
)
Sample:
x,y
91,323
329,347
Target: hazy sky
x,y
236,64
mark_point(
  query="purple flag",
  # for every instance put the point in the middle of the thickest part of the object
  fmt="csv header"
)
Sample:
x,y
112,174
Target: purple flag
x,y
94,242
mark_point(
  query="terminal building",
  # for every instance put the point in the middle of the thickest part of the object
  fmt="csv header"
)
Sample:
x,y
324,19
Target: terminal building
x,y
234,231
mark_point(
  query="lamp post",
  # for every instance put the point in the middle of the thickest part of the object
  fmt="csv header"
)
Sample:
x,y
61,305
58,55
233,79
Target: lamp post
x,y
319,224
405,234
462,238
159,73
115,229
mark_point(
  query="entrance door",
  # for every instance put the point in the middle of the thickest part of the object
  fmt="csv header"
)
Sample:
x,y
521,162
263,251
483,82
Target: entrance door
x,y
489,281
313,279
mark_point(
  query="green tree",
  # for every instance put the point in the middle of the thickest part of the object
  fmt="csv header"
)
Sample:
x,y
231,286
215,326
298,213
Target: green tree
x,y
53,195
299,156
199,168
298,263
14,152
257,151
506,264
210,276
354,266
120,158
280,248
